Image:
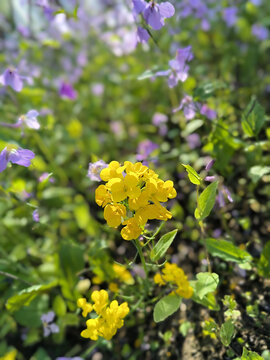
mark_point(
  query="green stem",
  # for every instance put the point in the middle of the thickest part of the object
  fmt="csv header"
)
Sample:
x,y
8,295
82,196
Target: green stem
x,y
138,247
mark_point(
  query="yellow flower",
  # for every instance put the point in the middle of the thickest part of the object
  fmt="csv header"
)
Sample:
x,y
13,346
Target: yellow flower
x,y
132,230
110,317
103,197
123,274
11,355
114,214
85,306
176,276
100,299
113,287
114,170
123,188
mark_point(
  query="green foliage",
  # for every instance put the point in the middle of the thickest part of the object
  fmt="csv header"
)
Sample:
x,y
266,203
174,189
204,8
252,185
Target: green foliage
x,y
250,355
227,251
206,201
226,332
163,244
166,306
206,283
193,176
26,296
264,261
253,118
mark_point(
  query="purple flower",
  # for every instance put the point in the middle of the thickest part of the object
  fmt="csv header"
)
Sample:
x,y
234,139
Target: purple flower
x,y
160,121
94,170
210,178
260,32
179,68
230,15
155,14
18,156
142,35
30,119
97,89
48,326
66,91
46,176
188,106
138,6
209,113
222,193
35,215
10,77
193,140
145,149
210,164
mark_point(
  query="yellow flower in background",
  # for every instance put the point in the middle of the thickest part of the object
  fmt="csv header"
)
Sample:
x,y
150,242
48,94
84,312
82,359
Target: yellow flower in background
x,y
122,274
85,306
174,275
132,196
74,128
11,355
110,316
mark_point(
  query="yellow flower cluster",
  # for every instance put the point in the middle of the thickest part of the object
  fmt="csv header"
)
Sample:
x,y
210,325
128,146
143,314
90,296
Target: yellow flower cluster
x,y
132,196
171,273
109,315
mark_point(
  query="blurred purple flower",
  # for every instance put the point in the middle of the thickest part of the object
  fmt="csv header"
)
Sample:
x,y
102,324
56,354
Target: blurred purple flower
x,y
142,35
94,170
256,2
46,176
35,215
188,107
210,164
217,233
30,120
230,15
211,178
260,32
145,149
11,77
24,31
179,66
48,326
160,120
18,156
209,113
155,14
66,90
138,6
97,89
193,140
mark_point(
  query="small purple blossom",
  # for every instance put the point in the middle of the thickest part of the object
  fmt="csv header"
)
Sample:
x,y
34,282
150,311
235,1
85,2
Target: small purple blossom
x,y
30,120
260,32
155,14
194,140
138,6
179,68
11,77
66,90
230,15
97,89
208,112
145,149
210,164
48,326
46,176
18,156
94,170
188,107
35,215
142,35
160,120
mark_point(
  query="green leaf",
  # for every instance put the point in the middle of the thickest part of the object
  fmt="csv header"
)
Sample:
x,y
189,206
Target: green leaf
x,y
226,332
250,355
206,283
59,306
192,126
207,89
206,201
24,297
71,260
148,73
194,177
159,250
227,251
257,172
208,301
253,118
166,306
264,261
